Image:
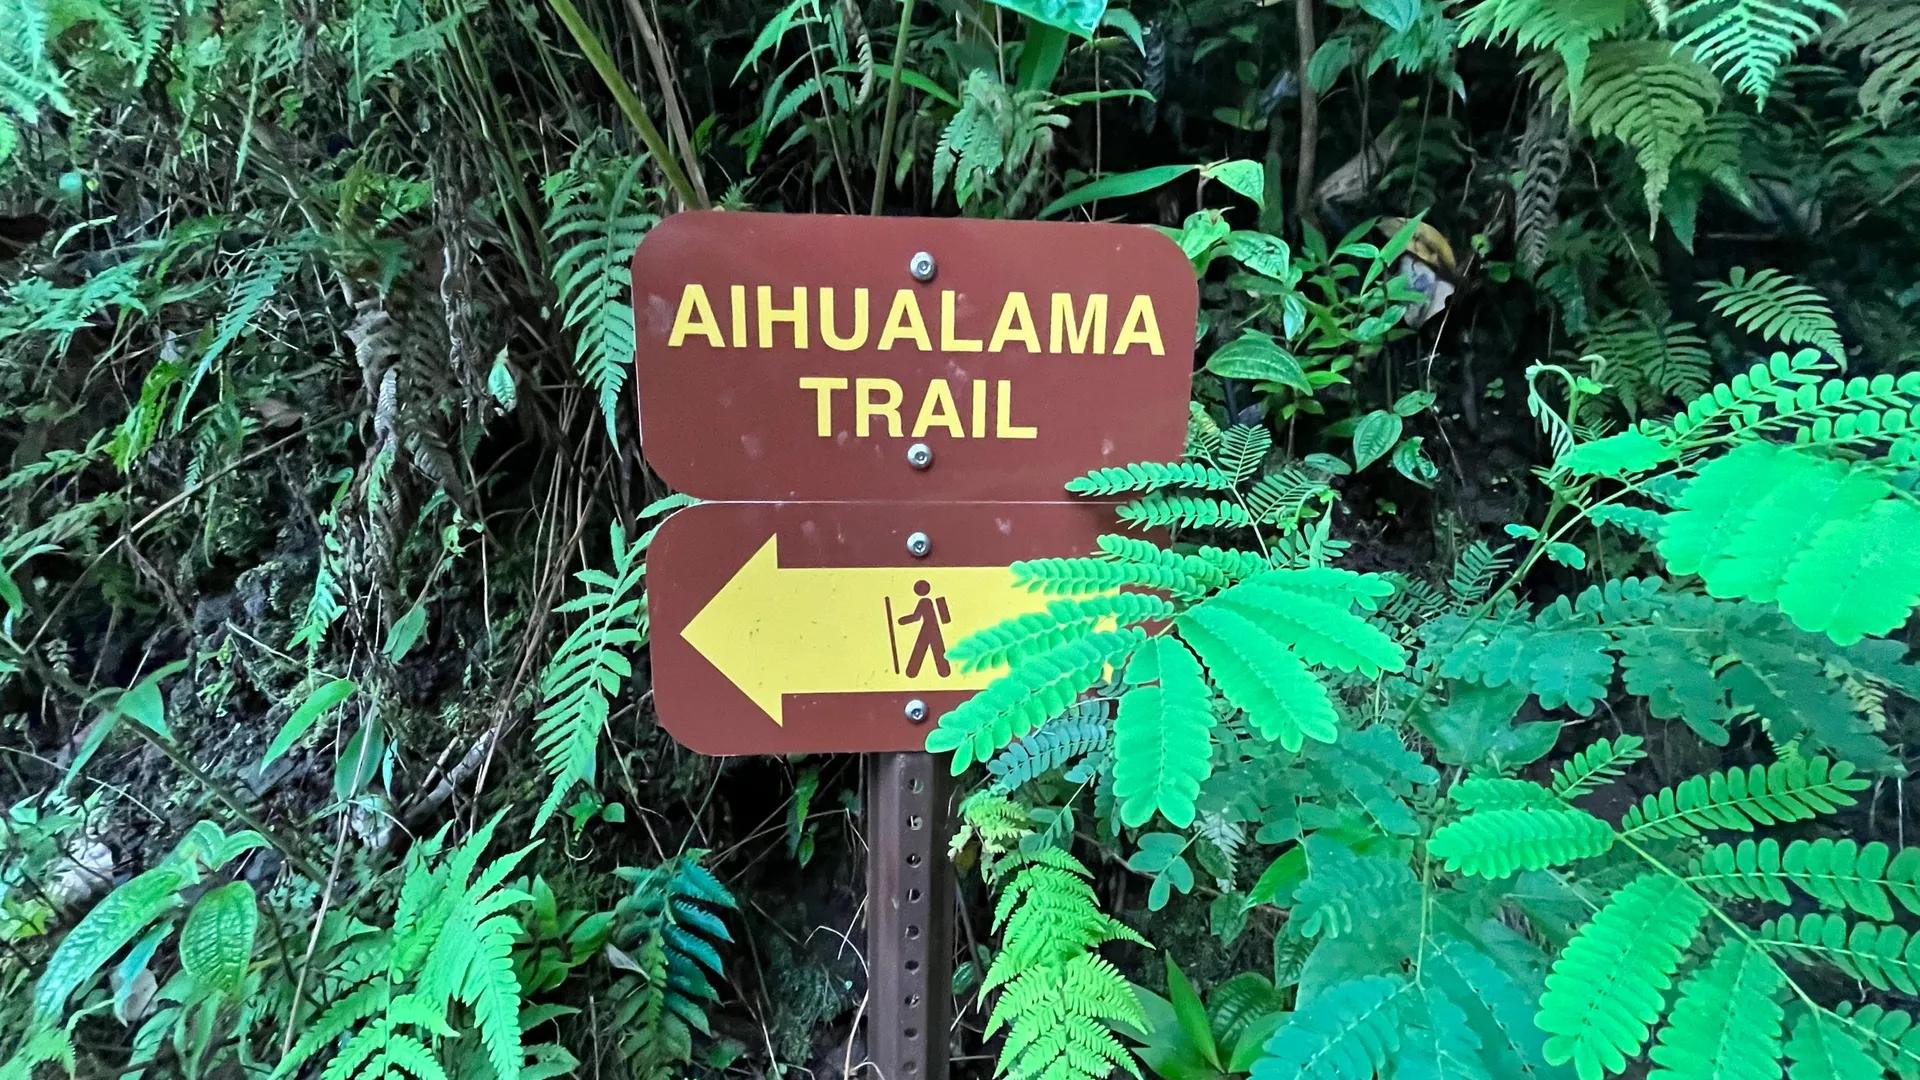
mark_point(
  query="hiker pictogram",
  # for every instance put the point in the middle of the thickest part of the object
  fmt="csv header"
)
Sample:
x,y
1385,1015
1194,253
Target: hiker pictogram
x,y
931,641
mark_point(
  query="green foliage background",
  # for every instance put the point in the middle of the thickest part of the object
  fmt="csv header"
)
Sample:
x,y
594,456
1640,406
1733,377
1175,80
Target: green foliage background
x,y
1511,680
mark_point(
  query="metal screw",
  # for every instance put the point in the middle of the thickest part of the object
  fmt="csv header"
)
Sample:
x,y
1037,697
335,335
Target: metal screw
x,y
921,266
920,455
919,544
916,711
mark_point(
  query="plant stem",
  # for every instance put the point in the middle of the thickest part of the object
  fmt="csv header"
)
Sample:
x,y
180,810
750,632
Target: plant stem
x,y
1309,112
629,102
880,161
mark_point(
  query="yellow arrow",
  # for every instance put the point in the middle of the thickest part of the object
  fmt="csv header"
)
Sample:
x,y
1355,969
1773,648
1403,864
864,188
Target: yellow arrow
x,y
777,630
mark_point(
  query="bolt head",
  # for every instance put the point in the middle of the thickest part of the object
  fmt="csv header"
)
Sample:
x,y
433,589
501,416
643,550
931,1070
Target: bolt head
x,y
921,266
919,544
916,711
920,455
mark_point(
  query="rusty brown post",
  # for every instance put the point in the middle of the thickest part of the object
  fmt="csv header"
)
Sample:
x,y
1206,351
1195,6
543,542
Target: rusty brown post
x,y
909,917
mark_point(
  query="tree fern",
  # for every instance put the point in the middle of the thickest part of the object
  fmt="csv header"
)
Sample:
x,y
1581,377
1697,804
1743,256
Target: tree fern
x,y
1773,305
595,222
667,933
1747,41
1791,790
1726,1023
1059,1000
1348,1032
588,668
1162,745
1607,987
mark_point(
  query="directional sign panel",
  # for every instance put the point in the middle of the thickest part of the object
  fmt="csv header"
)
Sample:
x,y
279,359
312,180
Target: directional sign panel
x,y
783,628
787,356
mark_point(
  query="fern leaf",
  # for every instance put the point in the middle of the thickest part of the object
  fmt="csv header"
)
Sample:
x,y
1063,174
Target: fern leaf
x,y
1887,35
1644,94
1077,733
594,226
1726,1023
1475,570
1495,843
1148,476
1791,790
1822,1048
1840,874
1884,957
1260,675
1595,764
265,271
1020,700
1477,793
1162,744
1776,307
1569,29
587,670
1085,576
1747,41
1242,448
1163,511
1347,1032
1025,636
1606,989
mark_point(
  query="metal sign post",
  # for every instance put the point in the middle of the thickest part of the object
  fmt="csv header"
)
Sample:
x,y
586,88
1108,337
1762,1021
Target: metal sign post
x,y
909,916
887,408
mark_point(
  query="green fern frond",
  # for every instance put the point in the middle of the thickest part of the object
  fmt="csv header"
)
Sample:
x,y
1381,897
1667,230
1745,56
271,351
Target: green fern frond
x,y
1773,305
1595,764
259,283
1025,636
1726,1023
1204,575
1477,793
1344,891
1499,1008
1285,495
1242,449
1643,93
1162,740
1840,874
1163,511
1747,41
1080,731
1569,29
578,685
1495,843
1793,790
1347,1032
1149,476
1312,611
1823,1048
1887,35
1086,576
1475,570
595,223
1607,987
1819,536
1059,1000
669,927
1884,957
1020,700
1889,1035
1648,361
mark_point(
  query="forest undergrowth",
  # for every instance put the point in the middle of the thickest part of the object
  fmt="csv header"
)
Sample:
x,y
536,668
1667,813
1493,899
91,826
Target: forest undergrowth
x,y
1510,681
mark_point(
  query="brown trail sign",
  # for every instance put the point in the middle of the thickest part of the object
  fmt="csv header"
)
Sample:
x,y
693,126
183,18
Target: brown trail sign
x,y
890,407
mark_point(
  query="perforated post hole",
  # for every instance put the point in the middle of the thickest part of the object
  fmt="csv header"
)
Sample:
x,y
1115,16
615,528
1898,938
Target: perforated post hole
x,y
910,921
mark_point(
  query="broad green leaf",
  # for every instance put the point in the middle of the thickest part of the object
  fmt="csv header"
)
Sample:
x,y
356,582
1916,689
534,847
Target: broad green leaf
x,y
317,705
117,919
1256,357
405,633
1374,436
216,944
1412,462
1115,186
1245,177
1397,14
